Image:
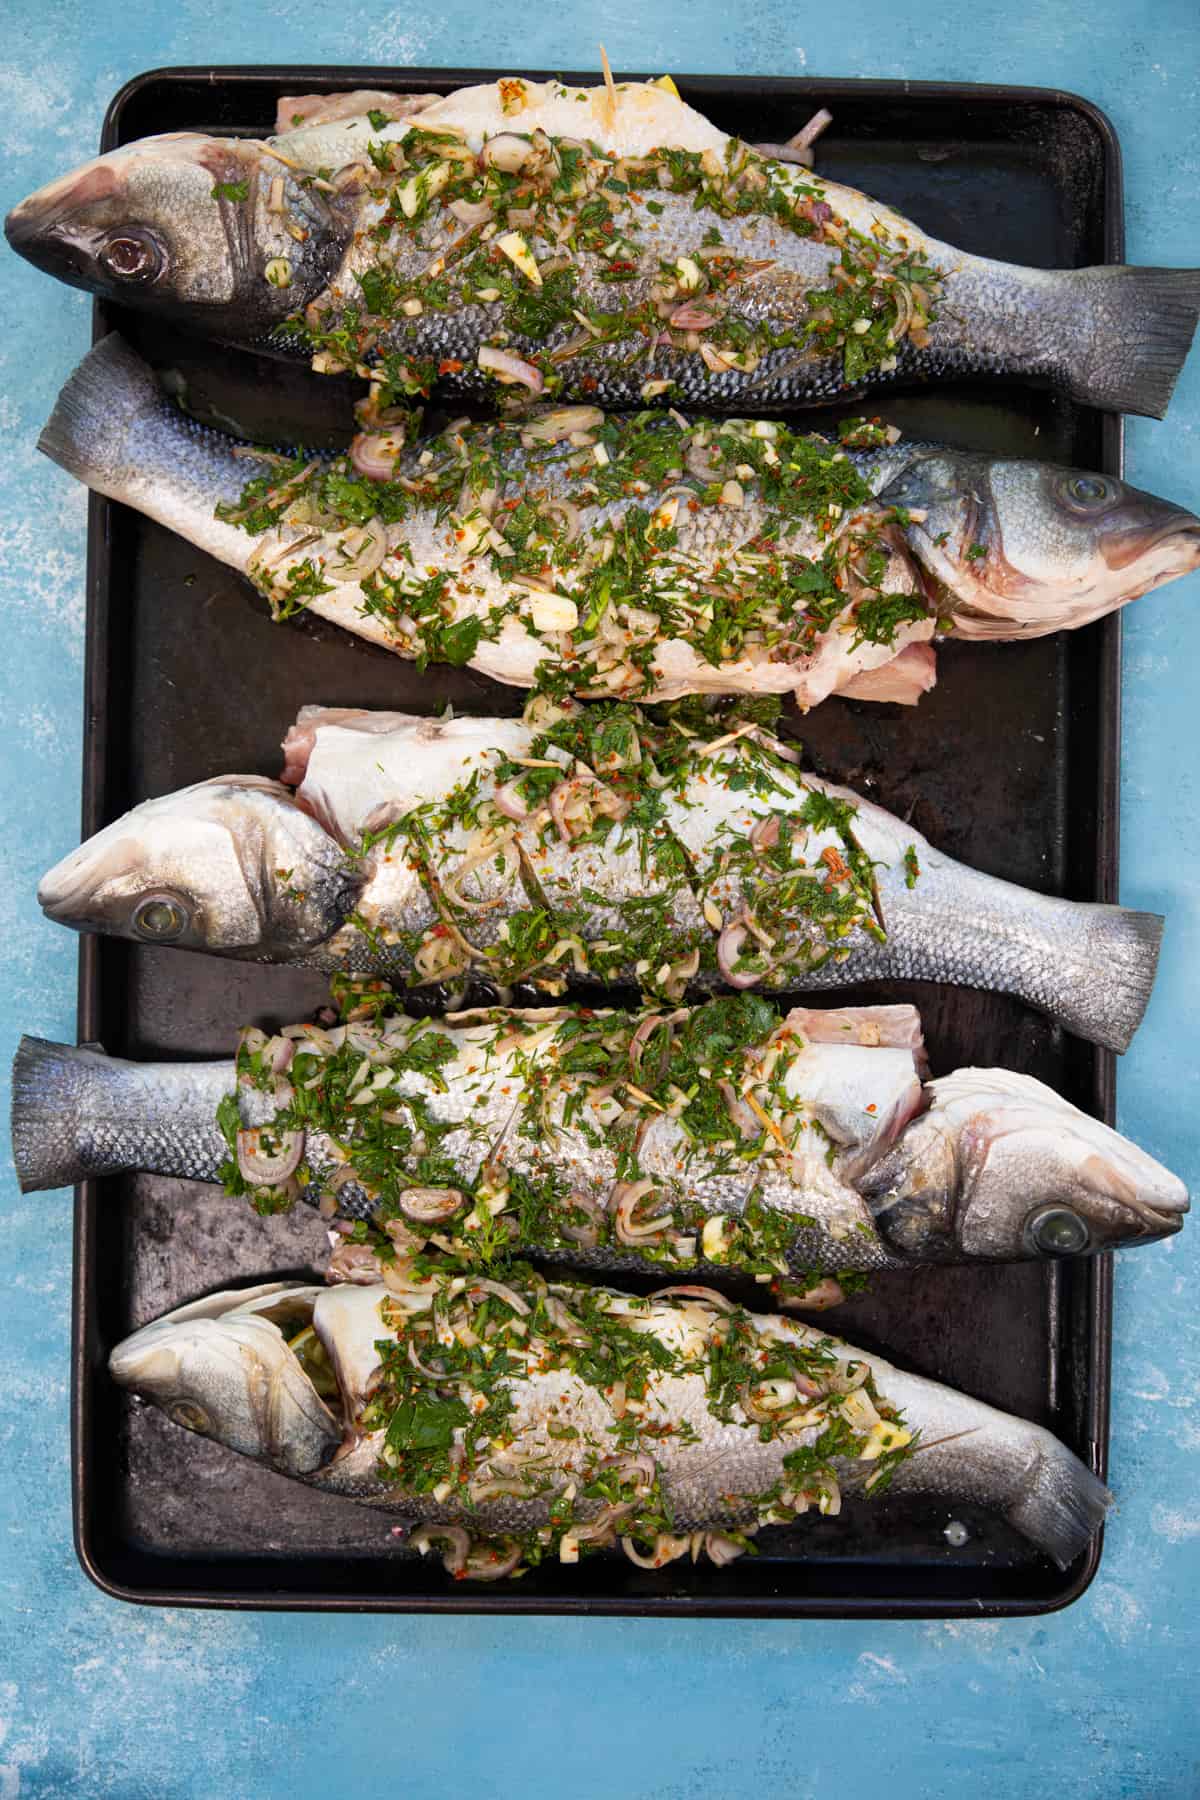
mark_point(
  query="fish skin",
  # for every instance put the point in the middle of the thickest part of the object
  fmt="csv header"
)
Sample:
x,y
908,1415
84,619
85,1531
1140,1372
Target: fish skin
x,y
237,857
838,1130
1112,337
967,1452
986,547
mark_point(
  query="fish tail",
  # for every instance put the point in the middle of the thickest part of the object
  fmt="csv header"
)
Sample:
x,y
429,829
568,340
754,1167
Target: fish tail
x,y
87,432
113,429
54,1087
1138,329
78,1112
1088,966
1102,984
1061,1505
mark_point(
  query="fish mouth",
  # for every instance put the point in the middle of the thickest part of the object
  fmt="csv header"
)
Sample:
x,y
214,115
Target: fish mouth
x,y
1156,1225
1160,1220
65,897
50,245
1120,1218
1173,545
52,228
69,892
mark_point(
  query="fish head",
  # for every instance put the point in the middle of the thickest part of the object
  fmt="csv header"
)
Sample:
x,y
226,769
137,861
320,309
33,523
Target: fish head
x,y
1012,549
1001,1168
231,866
236,1367
212,232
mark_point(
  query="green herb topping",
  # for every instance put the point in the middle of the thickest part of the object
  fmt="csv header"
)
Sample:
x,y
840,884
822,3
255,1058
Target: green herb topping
x,y
595,542
684,1138
730,864
586,1458
674,257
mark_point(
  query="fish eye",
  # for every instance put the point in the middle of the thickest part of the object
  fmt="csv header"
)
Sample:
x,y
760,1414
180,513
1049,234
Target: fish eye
x,y
189,1415
1086,493
159,918
132,256
1057,1231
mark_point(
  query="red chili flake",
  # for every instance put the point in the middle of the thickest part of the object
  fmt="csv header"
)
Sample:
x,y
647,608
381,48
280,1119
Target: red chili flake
x,y
872,1107
450,365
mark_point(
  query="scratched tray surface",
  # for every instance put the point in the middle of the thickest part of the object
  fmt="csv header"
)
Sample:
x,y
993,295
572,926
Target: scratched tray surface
x,y
1008,764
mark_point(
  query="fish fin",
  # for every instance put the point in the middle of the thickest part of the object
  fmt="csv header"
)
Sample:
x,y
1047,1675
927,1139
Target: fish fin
x,y
296,112
1104,994
51,1086
911,673
84,434
1140,328
1063,1504
871,1027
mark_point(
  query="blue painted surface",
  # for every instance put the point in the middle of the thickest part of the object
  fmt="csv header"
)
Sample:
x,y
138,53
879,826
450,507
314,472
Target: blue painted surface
x,y
97,1699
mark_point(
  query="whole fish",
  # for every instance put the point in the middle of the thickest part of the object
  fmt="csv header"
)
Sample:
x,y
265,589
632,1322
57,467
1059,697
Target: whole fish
x,y
640,556
595,243
719,1138
520,1421
596,843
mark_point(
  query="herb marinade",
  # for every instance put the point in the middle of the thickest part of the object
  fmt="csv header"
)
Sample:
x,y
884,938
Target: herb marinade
x,y
649,276
551,225
623,846
599,554
527,1420
676,1138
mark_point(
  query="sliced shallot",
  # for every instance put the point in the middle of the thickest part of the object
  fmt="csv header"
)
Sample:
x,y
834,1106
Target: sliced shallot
x,y
262,1167
508,368
431,1205
457,1544
374,453
729,948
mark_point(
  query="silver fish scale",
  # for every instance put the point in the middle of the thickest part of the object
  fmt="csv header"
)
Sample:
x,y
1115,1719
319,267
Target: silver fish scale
x,y
1091,967
98,1115
970,1454
486,1111
1077,328
708,1483
775,296
596,882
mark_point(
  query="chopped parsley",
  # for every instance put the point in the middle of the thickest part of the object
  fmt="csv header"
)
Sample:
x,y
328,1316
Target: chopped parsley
x,y
396,1106
602,278
445,1413
589,544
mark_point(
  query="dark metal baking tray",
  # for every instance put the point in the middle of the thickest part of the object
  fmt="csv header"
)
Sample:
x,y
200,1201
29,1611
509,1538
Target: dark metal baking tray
x,y
1009,764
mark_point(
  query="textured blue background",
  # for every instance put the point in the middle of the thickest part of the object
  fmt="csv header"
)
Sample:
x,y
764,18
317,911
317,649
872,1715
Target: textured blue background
x,y
98,1699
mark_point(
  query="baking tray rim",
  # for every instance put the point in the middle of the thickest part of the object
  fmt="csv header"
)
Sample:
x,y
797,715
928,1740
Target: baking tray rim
x,y
96,670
